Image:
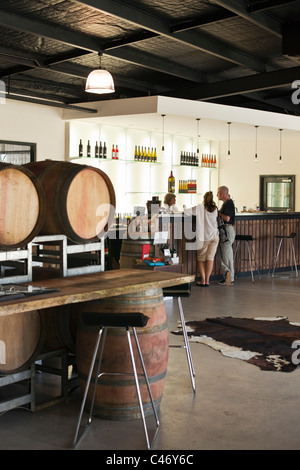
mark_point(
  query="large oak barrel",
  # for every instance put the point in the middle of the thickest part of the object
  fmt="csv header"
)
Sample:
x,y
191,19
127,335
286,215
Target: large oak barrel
x,y
22,206
116,397
21,340
132,250
80,199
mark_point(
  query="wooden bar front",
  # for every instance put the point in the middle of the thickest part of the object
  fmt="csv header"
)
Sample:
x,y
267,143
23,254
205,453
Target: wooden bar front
x,y
262,226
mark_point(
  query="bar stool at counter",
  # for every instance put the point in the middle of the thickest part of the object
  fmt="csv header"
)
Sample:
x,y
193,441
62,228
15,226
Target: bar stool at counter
x,y
248,239
290,238
179,291
106,321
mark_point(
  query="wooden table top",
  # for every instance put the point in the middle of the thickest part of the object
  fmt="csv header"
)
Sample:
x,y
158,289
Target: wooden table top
x,y
95,286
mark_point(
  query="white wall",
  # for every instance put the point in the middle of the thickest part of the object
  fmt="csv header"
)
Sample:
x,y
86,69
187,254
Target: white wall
x,y
27,122
241,173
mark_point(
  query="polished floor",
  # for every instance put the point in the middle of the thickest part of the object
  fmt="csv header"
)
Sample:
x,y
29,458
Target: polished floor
x,y
236,405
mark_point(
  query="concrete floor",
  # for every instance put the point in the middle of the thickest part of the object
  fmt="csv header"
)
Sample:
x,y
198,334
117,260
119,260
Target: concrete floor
x,y
236,405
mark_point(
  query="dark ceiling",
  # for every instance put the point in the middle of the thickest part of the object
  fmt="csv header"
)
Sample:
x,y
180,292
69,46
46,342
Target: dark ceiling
x,y
237,52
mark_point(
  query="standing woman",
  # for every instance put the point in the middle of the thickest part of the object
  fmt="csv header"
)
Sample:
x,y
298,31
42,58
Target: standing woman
x,y
207,235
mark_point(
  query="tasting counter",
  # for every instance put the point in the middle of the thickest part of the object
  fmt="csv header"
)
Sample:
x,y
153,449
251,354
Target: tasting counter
x,y
263,226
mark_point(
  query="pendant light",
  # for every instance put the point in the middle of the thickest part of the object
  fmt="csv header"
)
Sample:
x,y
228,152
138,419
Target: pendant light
x,y
99,81
256,155
280,153
197,140
228,151
163,136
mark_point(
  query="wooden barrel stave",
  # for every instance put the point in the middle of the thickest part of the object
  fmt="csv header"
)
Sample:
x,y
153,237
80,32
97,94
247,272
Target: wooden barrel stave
x,y
22,206
22,337
116,395
80,200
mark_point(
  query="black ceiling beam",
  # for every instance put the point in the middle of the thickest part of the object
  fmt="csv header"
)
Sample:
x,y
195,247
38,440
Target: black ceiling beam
x,y
85,42
236,86
263,20
191,23
155,24
269,4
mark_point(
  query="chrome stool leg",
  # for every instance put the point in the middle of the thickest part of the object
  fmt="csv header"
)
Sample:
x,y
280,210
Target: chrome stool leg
x,y
277,255
187,345
77,438
100,342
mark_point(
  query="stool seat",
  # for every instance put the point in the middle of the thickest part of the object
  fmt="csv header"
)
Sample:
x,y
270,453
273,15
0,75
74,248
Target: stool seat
x,y
244,237
115,320
291,235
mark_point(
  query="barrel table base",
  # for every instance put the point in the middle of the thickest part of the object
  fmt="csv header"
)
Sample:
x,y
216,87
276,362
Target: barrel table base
x,y
116,397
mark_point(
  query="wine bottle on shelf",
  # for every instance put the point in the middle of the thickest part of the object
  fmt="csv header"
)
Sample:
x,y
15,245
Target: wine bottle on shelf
x,y
88,149
155,156
113,152
104,150
116,153
96,150
171,183
80,148
152,155
139,154
100,150
135,153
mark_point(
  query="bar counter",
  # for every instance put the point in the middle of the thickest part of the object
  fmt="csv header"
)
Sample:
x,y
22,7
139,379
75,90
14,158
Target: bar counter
x,y
263,226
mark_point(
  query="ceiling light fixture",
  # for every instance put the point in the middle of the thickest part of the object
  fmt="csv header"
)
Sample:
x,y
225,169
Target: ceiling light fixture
x,y
280,155
228,152
256,156
100,81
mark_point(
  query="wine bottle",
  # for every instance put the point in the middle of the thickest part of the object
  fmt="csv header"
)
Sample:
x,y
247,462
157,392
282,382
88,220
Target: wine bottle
x,y
104,150
88,149
100,150
117,153
171,183
155,156
135,153
113,152
96,150
80,148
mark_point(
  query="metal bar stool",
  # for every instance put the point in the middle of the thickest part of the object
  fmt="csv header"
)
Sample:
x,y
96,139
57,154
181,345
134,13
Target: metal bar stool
x,y
183,291
248,239
115,320
290,238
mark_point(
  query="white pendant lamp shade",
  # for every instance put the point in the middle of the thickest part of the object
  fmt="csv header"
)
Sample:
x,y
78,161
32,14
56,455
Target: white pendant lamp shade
x,y
100,81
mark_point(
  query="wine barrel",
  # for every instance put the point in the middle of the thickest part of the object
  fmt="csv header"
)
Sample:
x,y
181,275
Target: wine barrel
x,y
80,199
116,397
22,206
132,250
21,340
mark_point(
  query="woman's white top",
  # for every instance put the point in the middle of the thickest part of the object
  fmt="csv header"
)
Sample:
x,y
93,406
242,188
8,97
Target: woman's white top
x,y
206,223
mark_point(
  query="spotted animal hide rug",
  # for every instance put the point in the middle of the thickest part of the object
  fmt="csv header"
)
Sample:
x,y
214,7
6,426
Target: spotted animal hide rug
x,y
270,343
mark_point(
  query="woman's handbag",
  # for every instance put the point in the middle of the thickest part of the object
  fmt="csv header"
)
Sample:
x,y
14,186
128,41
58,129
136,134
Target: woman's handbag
x,y
223,237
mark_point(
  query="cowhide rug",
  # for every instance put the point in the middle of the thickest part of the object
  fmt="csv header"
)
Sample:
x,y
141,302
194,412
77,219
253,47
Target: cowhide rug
x,y
269,343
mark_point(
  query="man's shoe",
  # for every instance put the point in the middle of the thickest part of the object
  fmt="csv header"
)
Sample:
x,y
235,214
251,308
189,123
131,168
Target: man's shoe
x,y
228,279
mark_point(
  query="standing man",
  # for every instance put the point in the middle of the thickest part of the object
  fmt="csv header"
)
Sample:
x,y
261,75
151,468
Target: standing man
x,y
225,251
